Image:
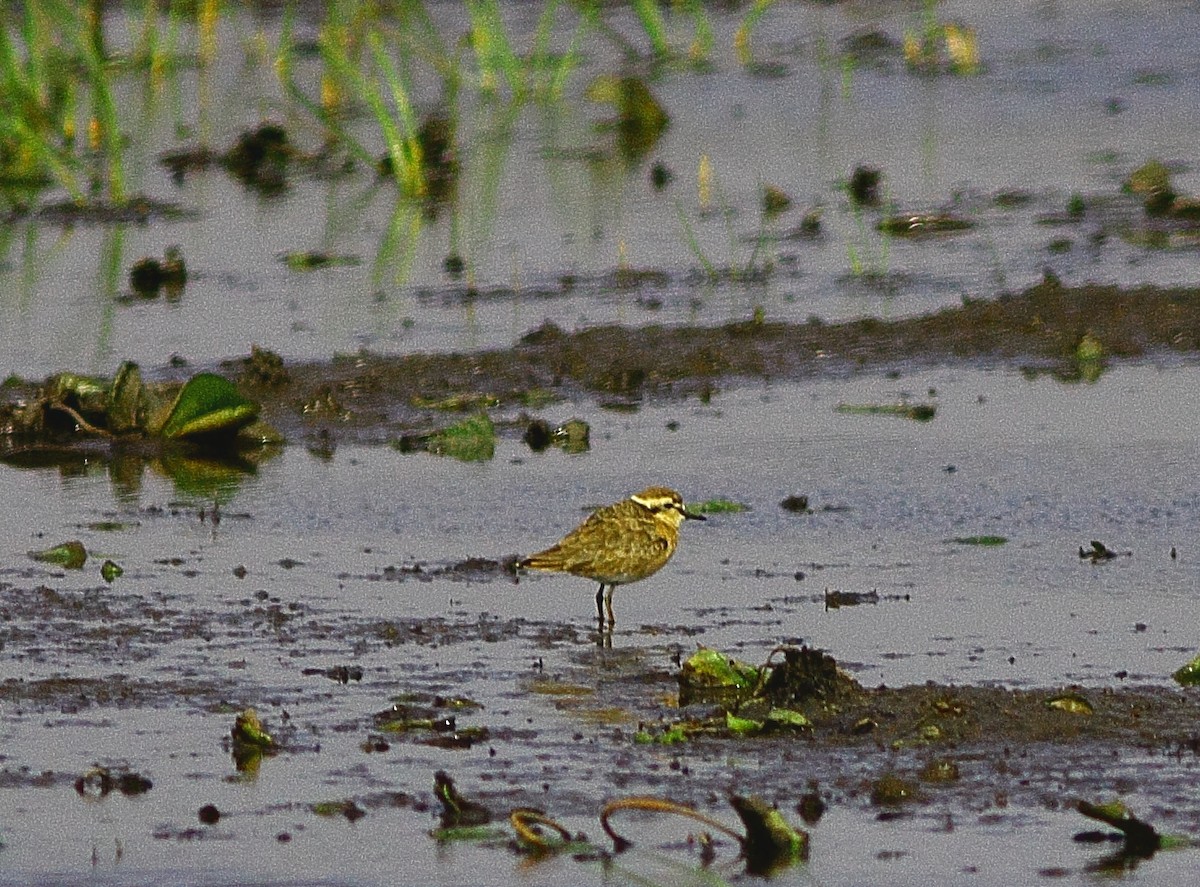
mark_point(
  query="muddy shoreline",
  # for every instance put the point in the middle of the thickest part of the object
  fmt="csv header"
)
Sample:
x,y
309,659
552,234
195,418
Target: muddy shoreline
x,y
366,397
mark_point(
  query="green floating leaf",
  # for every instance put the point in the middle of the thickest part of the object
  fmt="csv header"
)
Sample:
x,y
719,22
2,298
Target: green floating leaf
x,y
981,540
110,571
347,808
208,404
70,555
311,261
1189,675
471,833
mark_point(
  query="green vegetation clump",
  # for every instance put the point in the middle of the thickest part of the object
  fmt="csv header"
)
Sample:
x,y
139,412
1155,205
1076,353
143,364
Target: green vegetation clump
x,y
719,506
68,555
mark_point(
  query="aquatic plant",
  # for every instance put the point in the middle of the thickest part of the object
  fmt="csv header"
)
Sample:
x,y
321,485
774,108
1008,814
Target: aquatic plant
x,y
149,275
708,187
1189,674
250,742
654,25
471,440
767,844
206,408
867,256
641,119
44,48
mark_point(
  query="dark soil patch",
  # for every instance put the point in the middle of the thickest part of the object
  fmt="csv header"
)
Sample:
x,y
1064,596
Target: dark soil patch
x,y
369,395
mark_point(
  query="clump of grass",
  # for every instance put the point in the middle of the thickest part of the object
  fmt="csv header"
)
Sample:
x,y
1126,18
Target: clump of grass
x,y
43,50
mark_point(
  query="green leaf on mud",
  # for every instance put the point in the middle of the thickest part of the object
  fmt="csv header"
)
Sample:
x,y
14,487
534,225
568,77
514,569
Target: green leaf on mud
x,y
672,735
110,571
713,669
208,404
980,540
742,726
69,555
1071,703
783,719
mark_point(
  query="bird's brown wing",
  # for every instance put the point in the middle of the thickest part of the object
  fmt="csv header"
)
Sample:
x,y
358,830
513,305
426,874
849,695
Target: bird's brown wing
x,y
614,545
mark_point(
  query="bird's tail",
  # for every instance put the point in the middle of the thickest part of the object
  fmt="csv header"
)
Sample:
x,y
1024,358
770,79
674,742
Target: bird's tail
x,y
549,559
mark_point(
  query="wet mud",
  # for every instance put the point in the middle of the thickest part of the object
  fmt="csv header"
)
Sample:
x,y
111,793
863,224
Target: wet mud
x,y
368,397
927,750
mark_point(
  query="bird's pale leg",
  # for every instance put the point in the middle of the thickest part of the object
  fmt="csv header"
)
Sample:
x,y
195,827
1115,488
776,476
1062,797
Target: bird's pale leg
x,y
612,620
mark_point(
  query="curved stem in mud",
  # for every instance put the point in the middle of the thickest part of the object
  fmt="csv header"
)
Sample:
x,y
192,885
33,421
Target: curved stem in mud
x,y
763,672
524,822
84,424
658,805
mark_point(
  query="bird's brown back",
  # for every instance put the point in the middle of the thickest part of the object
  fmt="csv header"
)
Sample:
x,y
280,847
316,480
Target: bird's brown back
x,y
617,544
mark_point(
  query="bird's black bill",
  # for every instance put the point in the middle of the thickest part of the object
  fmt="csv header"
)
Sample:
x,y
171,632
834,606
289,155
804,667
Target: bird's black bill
x,y
691,515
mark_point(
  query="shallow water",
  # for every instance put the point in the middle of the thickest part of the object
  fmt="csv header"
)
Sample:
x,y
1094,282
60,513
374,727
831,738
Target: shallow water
x,y
1071,98
1048,465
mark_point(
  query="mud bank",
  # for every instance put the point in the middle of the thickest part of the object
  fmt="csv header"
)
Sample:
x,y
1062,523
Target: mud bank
x,y
358,397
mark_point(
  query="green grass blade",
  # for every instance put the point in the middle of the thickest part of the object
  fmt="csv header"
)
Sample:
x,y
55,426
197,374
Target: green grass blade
x,y
741,39
401,132
702,39
492,48
105,110
650,15
694,244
